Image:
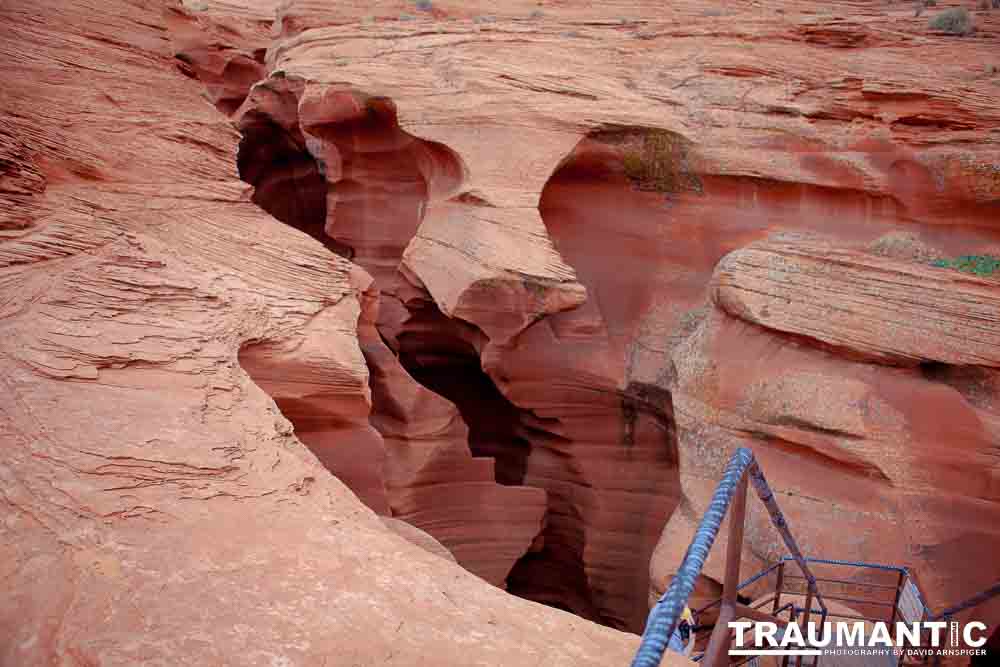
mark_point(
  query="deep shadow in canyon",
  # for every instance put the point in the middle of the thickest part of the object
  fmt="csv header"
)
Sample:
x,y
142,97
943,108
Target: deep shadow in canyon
x,y
361,185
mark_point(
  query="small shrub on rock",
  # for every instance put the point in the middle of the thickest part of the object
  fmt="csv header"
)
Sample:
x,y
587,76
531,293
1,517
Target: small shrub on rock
x,y
956,21
659,160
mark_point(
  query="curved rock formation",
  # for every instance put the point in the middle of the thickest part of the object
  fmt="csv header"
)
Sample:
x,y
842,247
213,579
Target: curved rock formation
x,y
147,481
885,311
328,410
539,199
627,185
433,480
418,537
381,182
334,163
896,436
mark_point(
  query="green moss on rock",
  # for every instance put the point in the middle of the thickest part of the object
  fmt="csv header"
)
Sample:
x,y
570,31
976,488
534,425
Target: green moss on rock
x,y
980,265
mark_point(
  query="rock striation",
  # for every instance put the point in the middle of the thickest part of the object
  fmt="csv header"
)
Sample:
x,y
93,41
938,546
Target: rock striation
x,y
520,276
557,293
885,311
149,480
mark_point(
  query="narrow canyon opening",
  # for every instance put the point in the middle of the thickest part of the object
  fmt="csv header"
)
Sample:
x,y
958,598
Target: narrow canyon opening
x,y
597,437
437,352
492,325
442,354
288,181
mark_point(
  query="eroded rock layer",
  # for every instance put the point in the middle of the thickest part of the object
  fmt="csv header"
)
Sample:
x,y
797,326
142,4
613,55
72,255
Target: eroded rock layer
x,y
157,507
539,198
573,268
883,310
334,163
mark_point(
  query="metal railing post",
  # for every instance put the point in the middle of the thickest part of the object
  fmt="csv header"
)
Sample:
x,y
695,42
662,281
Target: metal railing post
x,y
734,549
665,614
778,521
895,602
805,618
779,584
718,644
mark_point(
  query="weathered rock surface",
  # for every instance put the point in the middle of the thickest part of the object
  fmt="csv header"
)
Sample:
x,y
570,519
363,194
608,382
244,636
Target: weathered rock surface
x,y
157,508
901,440
493,268
652,142
432,479
418,537
539,198
887,311
334,163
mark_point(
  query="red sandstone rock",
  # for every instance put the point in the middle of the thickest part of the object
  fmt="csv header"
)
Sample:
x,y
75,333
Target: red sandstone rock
x,y
493,268
850,121
418,537
333,163
432,479
329,411
157,507
227,57
809,130
871,450
889,311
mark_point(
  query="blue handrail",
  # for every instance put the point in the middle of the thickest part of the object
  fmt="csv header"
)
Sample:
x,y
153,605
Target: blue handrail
x,y
664,615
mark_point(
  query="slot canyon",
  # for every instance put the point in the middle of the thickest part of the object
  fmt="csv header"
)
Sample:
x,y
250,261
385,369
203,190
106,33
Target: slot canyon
x,y
352,331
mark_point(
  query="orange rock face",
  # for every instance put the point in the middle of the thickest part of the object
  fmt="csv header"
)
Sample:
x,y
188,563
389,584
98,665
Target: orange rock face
x,y
520,277
158,505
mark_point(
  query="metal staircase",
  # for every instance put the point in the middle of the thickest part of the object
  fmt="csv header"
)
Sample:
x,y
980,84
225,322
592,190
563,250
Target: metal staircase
x,y
792,590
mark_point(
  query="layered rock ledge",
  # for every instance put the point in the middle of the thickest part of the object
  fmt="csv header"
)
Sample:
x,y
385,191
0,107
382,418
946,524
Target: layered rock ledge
x,y
887,311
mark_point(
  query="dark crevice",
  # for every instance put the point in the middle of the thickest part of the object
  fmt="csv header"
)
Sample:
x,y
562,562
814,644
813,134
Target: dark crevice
x,y
657,403
555,576
288,181
366,204
440,356
607,208
331,422
361,186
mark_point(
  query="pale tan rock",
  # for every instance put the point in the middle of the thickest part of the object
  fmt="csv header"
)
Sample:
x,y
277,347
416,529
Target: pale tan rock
x,y
418,537
157,507
494,268
890,311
